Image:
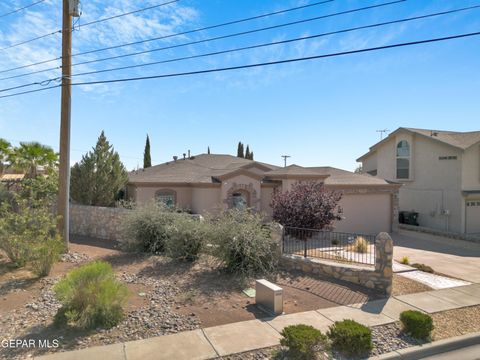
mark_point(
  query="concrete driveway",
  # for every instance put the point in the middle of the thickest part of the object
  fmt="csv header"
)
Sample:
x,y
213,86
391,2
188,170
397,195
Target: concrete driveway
x,y
456,258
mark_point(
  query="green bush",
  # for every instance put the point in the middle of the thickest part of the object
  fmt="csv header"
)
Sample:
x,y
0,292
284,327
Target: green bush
x,y
303,341
45,254
423,267
360,245
243,243
145,228
185,237
416,324
350,338
91,297
27,227
405,260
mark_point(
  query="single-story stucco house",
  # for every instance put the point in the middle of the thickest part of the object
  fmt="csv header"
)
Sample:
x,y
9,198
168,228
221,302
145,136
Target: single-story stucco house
x,y
208,183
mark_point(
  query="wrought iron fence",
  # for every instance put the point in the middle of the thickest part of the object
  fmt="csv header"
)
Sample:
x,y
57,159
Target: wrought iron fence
x,y
337,246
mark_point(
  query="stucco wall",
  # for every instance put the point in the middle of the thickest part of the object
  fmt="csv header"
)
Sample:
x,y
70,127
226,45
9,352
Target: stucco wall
x,y
471,168
146,194
206,200
235,182
266,198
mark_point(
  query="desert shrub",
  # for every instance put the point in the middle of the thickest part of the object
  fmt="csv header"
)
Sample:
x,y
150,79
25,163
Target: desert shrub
x,y
303,341
405,260
350,338
185,237
416,324
145,228
242,241
91,297
360,245
45,254
25,228
423,267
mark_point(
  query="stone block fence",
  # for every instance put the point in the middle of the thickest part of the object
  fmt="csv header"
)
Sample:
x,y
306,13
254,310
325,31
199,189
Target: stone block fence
x,y
95,221
378,278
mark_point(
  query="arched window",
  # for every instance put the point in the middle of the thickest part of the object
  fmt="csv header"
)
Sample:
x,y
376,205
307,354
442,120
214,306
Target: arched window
x,y
403,160
166,197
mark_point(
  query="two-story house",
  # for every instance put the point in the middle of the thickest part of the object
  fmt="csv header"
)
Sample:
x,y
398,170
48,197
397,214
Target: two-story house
x,y
440,173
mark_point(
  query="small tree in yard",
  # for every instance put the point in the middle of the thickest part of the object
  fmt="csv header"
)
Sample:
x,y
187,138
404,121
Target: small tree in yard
x,y
306,205
98,178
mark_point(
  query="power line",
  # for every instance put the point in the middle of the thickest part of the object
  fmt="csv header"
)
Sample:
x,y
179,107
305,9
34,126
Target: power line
x,y
22,8
248,66
176,34
263,44
89,23
217,37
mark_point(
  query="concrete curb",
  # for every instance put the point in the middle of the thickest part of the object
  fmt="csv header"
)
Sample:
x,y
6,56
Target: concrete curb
x,y
433,348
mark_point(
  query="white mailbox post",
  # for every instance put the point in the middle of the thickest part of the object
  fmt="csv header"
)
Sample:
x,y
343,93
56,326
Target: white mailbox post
x,y
269,296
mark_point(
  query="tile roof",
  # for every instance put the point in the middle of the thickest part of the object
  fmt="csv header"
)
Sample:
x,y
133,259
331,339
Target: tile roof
x,y
204,169
462,140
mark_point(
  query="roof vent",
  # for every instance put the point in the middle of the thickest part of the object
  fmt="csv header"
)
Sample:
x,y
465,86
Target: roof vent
x,y
175,158
184,156
189,154
433,133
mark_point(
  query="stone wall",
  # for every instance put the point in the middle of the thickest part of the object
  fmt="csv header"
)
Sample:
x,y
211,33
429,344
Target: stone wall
x,y
378,278
96,221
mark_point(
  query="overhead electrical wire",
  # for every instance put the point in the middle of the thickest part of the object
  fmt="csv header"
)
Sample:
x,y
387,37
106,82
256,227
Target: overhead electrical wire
x,y
177,34
21,9
370,26
249,66
215,38
89,23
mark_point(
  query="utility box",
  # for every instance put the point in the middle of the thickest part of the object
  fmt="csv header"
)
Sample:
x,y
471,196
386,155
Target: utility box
x,y
269,297
74,8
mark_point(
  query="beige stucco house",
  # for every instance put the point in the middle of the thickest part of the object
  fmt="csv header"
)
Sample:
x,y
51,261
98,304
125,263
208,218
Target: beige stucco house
x,y
209,183
440,172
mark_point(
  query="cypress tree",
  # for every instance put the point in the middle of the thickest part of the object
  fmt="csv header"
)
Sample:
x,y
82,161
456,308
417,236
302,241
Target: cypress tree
x,y
251,155
98,178
208,150
240,152
147,160
247,153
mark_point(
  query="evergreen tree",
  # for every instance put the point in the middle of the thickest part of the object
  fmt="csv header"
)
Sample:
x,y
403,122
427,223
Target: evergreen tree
x,y
251,155
98,178
247,152
240,152
208,150
147,160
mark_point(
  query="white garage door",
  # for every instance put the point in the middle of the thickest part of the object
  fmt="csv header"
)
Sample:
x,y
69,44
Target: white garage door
x,y
473,216
365,213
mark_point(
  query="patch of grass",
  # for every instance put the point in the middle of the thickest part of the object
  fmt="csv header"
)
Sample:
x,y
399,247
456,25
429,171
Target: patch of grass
x,y
188,297
360,245
405,260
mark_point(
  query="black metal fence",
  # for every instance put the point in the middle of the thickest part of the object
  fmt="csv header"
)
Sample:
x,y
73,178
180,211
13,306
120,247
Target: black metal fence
x,y
337,246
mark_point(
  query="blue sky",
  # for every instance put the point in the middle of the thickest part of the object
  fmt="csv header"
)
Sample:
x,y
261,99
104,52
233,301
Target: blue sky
x,y
323,112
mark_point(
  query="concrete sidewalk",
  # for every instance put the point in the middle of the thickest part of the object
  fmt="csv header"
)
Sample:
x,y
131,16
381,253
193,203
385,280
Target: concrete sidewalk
x,y
250,335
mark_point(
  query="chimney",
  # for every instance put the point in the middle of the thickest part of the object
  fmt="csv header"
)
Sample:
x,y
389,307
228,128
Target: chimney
x,y
184,156
175,158
189,153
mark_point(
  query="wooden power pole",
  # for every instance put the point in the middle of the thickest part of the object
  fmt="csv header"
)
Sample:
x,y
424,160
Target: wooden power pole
x,y
66,103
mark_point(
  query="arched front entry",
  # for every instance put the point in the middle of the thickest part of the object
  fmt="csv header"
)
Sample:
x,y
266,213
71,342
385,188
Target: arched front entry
x,y
241,197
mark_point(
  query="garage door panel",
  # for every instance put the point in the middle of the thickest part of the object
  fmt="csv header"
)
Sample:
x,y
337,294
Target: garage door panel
x,y
473,216
365,213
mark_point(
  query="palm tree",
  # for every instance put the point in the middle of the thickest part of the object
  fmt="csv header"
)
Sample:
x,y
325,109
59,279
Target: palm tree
x,y
30,155
5,150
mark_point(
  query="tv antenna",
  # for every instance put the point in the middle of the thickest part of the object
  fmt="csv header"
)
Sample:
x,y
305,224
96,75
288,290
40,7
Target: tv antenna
x,y
384,131
285,157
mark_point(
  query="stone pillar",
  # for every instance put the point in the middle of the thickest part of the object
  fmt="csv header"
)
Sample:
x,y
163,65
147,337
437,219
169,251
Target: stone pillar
x,y
384,260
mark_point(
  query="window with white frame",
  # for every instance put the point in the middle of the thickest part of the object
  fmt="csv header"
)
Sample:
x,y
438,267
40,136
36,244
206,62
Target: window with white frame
x,y
403,160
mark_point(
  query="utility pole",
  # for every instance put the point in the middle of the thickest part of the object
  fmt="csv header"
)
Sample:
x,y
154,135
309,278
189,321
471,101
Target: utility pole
x,y
65,116
285,157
